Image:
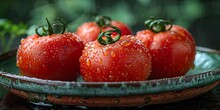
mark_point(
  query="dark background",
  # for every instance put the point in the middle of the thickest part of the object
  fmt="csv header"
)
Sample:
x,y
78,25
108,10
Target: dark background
x,y
200,17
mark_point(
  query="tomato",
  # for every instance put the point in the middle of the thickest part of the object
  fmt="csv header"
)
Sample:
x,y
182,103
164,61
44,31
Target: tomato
x,y
89,31
171,46
115,59
53,57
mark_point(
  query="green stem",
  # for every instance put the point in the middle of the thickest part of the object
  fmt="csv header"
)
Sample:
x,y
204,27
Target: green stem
x,y
107,34
158,25
102,20
50,29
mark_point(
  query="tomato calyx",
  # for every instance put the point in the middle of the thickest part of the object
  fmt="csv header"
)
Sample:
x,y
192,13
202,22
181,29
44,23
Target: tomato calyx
x,y
102,20
107,34
158,25
57,25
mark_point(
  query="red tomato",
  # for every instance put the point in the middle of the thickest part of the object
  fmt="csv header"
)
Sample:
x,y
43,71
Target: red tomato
x,y
172,50
89,31
124,60
54,57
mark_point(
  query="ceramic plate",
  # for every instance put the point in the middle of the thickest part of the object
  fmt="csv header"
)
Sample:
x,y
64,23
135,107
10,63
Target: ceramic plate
x,y
204,77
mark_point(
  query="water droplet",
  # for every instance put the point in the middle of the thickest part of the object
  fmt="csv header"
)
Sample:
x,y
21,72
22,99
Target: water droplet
x,y
88,62
92,57
140,51
53,56
124,74
110,77
125,43
110,72
126,66
37,42
113,54
85,54
172,32
106,53
22,41
100,60
98,70
20,59
168,41
29,66
17,64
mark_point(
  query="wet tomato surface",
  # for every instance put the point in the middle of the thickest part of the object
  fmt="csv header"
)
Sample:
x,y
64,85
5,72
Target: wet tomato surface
x,y
54,57
124,60
172,49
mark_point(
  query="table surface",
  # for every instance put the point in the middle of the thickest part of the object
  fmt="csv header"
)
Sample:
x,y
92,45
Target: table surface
x,y
207,101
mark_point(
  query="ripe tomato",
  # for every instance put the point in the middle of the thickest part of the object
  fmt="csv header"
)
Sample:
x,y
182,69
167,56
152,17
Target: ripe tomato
x,y
89,31
120,59
54,57
171,46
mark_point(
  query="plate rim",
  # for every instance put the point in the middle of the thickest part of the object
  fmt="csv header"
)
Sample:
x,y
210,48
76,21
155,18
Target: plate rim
x,y
118,88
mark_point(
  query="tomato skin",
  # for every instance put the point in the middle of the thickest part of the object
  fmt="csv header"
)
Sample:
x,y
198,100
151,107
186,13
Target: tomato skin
x,y
173,51
53,57
124,60
89,31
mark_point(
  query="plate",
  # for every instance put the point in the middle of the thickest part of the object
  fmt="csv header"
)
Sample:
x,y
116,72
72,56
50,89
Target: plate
x,y
204,77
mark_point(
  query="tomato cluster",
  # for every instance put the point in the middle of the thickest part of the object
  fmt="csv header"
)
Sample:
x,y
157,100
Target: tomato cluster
x,y
106,51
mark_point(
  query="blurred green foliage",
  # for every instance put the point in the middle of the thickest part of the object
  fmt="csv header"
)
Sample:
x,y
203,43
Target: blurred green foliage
x,y
8,33
200,17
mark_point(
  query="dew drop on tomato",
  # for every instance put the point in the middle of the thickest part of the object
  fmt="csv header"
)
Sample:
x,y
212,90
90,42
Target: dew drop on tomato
x,y
37,42
92,57
88,62
140,50
85,54
22,41
20,60
168,41
106,53
100,61
113,54
125,43
98,70
111,77
17,64
124,74
43,65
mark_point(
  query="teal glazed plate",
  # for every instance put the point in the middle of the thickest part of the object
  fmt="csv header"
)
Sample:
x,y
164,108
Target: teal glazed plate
x,y
204,77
